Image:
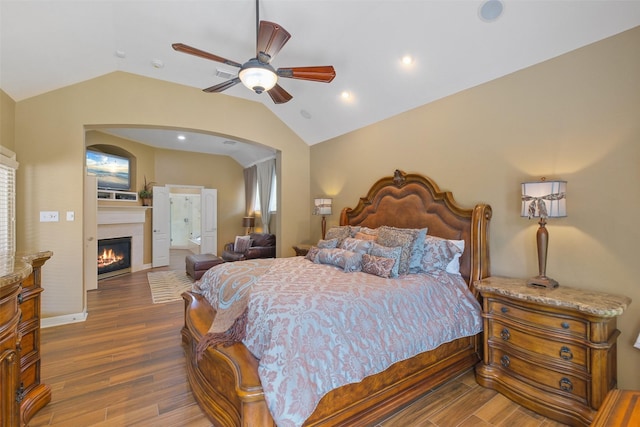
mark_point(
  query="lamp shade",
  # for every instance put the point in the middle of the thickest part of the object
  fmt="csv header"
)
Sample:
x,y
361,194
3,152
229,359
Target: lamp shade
x,y
248,221
258,76
322,206
544,199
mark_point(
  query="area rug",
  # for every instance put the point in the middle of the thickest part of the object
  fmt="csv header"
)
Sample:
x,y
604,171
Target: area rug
x,y
167,286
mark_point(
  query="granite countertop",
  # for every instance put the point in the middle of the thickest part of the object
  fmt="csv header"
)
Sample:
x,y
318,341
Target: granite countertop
x,y
18,267
587,301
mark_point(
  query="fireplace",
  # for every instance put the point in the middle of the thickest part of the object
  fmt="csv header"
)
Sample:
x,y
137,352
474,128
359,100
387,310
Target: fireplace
x,y
114,256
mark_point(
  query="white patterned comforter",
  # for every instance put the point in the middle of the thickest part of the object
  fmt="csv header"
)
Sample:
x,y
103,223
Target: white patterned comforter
x,y
315,328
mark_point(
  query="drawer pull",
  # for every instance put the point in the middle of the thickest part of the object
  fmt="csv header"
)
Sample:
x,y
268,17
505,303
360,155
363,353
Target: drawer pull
x,y
565,353
504,309
505,361
20,393
564,325
566,385
20,298
505,334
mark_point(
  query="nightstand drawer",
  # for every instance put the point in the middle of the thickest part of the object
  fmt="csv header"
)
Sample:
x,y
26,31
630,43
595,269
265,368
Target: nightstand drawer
x,y
555,350
560,324
563,383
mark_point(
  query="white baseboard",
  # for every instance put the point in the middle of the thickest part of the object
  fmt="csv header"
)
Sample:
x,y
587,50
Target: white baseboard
x,y
49,322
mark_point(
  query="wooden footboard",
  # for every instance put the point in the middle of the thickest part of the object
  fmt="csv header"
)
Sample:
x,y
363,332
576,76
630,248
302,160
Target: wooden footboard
x,y
225,381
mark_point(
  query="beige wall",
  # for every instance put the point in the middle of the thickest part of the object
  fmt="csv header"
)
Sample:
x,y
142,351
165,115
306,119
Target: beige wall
x,y
7,118
49,143
576,117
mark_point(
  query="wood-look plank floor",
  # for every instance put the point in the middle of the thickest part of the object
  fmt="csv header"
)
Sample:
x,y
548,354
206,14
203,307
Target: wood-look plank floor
x,y
125,366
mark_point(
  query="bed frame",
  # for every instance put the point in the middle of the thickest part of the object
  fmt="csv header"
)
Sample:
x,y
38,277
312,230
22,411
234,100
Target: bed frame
x,y
225,381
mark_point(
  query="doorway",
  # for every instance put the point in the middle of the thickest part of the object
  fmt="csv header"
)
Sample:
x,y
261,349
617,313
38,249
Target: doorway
x,y
185,221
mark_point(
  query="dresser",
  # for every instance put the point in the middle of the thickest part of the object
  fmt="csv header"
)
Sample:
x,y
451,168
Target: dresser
x,y
550,350
21,393
34,394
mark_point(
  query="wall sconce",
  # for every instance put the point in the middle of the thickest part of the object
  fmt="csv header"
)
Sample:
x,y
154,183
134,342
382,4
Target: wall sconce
x,y
322,207
248,222
543,199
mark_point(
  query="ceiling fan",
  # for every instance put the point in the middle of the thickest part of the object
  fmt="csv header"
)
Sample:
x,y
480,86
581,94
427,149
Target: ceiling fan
x,y
257,73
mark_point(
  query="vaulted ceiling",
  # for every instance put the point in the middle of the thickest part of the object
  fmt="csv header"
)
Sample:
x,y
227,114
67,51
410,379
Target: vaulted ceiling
x,y
454,45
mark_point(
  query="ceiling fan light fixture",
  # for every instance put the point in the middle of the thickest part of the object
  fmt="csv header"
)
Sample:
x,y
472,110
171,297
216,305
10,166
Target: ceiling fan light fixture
x,y
258,76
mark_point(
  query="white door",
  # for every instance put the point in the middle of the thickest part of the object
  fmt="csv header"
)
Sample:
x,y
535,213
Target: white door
x,y
209,221
90,232
161,236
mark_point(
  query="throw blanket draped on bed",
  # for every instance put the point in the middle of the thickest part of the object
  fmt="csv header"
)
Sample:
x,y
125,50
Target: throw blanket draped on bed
x,y
314,328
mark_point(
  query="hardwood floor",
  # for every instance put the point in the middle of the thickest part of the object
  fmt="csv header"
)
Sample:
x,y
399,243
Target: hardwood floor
x,y
125,366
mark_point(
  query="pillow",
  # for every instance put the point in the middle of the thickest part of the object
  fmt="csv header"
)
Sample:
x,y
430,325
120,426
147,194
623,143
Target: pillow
x,y
339,233
441,254
403,237
386,252
328,243
313,252
364,236
241,244
380,266
355,245
347,260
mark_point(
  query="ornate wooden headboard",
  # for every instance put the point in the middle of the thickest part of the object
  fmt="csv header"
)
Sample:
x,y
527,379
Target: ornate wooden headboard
x,y
415,201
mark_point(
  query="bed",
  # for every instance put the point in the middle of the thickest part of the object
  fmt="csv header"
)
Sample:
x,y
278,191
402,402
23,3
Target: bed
x,y
225,379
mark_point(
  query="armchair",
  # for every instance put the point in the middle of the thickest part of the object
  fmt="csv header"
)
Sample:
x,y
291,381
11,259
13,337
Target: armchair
x,y
262,246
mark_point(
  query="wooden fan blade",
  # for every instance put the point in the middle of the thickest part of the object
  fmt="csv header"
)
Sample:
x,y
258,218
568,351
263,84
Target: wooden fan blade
x,y
222,86
279,95
181,47
271,38
322,74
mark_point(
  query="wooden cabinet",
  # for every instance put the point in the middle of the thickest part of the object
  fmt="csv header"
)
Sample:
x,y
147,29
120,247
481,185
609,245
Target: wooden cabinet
x,y
21,393
550,350
34,394
11,275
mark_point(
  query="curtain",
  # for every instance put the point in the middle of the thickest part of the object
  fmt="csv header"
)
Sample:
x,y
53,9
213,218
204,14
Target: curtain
x,y
266,171
250,183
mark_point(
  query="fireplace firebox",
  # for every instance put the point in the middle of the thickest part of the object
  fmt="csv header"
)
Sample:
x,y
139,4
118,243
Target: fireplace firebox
x,y
114,257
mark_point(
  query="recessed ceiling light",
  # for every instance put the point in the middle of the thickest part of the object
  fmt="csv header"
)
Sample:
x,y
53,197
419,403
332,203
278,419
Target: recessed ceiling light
x,y
491,10
345,95
182,137
157,63
305,114
407,60
121,53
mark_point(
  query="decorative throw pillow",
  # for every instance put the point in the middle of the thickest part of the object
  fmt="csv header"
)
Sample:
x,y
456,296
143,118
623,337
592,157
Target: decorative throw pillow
x,y
313,252
380,266
364,236
339,233
328,243
386,252
347,260
241,244
441,254
355,245
403,237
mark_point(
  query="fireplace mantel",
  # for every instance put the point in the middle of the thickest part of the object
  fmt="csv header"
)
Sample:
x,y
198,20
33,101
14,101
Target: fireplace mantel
x,y
124,221
121,214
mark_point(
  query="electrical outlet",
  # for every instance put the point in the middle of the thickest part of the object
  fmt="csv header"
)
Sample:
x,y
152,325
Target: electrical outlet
x,y
49,216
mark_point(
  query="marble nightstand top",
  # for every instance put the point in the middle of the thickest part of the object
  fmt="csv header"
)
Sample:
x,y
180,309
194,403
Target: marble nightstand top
x,y
593,302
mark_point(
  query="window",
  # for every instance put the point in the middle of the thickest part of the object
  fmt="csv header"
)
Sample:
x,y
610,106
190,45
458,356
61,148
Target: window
x,y
272,203
8,166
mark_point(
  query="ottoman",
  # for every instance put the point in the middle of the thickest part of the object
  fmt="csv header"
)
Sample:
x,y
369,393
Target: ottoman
x,y
197,264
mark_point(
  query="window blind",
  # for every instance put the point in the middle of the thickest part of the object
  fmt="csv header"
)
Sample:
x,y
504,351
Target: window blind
x,y
8,167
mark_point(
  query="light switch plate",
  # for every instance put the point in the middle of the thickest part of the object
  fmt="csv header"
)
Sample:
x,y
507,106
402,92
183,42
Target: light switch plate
x,y
70,215
49,216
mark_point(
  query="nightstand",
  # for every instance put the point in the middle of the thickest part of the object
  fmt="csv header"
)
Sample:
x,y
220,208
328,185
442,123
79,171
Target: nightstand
x,y
550,350
301,250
